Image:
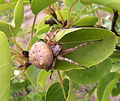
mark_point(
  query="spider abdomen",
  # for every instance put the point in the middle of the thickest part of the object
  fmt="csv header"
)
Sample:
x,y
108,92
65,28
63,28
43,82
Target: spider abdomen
x,y
41,55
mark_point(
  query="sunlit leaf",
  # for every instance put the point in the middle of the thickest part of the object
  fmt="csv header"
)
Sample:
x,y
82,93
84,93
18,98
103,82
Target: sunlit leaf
x,y
110,3
5,68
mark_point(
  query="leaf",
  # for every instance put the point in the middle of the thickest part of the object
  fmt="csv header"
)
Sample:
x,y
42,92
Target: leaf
x,y
8,6
19,85
32,74
38,5
42,27
34,97
55,93
77,7
18,14
109,3
42,77
5,68
86,21
91,75
4,27
99,50
116,67
116,90
106,85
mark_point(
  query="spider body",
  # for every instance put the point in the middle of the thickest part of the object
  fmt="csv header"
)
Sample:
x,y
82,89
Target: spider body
x,y
41,55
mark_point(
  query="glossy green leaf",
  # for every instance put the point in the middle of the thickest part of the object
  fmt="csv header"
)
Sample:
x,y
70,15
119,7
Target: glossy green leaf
x,y
86,21
106,85
38,5
18,14
77,7
5,68
91,75
88,55
32,74
110,3
55,93
43,75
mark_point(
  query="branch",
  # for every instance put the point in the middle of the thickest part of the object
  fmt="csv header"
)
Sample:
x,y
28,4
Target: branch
x,y
115,17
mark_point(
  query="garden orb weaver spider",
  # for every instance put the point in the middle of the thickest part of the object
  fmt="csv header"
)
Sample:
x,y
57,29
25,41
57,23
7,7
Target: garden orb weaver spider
x,y
43,55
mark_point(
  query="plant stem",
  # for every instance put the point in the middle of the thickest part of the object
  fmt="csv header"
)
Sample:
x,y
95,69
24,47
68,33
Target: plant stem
x,y
115,17
49,13
60,77
14,40
32,31
70,12
60,14
71,24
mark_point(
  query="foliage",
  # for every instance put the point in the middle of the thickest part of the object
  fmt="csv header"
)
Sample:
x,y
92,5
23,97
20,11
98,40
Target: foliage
x,y
78,22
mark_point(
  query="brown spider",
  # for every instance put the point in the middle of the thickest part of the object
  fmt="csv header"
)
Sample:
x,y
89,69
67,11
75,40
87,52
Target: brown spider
x,y
43,55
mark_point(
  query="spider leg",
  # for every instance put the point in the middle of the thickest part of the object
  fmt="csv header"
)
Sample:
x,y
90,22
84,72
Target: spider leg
x,y
69,60
49,32
81,45
53,66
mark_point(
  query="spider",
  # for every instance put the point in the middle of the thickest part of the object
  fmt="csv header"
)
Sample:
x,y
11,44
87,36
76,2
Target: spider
x,y
43,55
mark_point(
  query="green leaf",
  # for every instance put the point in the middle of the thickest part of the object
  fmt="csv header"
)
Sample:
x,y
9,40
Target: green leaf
x,y
5,27
19,85
99,50
33,97
32,74
86,21
106,85
42,27
91,75
116,67
116,90
38,5
8,6
109,3
5,68
42,77
77,7
18,14
55,93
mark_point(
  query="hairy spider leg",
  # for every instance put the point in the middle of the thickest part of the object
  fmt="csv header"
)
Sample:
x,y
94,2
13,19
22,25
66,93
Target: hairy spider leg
x,y
53,66
69,60
48,33
81,45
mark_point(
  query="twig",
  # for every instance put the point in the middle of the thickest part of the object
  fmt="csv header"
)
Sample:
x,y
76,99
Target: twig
x,y
115,17
60,77
32,31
